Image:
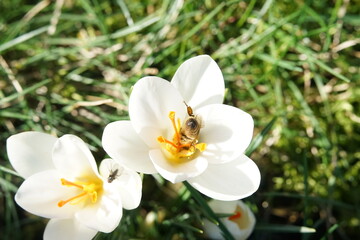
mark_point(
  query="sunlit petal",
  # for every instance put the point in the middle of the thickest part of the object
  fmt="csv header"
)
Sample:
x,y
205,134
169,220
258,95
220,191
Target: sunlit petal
x,y
72,157
150,102
229,181
30,152
69,229
177,172
122,143
125,182
227,132
200,81
40,193
104,216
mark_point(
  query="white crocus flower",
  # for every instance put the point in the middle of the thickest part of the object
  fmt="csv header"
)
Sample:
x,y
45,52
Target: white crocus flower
x,y
62,183
181,130
240,223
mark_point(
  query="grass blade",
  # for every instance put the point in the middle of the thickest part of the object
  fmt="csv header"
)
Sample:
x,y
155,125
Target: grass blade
x,y
260,137
126,12
22,38
285,228
320,64
7,170
278,62
24,92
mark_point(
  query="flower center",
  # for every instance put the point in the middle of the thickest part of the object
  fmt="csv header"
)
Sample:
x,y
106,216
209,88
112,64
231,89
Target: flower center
x,y
90,189
184,144
240,219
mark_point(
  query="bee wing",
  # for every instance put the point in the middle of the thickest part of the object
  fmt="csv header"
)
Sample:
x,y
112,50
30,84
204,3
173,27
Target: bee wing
x,y
200,121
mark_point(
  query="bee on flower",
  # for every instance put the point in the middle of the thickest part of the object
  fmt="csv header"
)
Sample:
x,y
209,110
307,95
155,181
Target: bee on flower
x,y
181,130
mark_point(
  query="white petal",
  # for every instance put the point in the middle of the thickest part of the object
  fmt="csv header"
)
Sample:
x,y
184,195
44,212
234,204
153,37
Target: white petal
x,y
110,167
200,81
229,181
149,105
104,216
240,230
40,193
177,172
130,190
247,223
30,152
226,207
122,143
125,182
227,132
212,231
73,158
69,229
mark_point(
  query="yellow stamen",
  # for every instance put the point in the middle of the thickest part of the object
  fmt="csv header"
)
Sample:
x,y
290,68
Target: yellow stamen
x,y
68,183
201,146
89,189
178,149
161,139
176,129
63,202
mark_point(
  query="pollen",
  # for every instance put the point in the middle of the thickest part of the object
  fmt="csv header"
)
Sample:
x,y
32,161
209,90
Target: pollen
x,y
181,147
87,190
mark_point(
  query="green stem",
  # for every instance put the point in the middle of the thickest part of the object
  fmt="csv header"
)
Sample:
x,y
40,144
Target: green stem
x,y
209,212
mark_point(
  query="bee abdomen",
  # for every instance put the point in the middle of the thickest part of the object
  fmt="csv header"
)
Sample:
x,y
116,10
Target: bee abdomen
x,y
187,138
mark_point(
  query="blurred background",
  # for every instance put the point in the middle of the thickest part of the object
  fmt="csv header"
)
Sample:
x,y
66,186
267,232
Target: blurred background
x,y
68,66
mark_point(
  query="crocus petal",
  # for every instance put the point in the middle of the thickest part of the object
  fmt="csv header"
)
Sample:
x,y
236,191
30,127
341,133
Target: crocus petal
x,y
221,207
229,181
73,158
127,183
245,227
110,167
177,172
130,189
241,228
200,81
122,143
69,229
104,216
150,103
214,233
226,207
40,193
227,132
30,152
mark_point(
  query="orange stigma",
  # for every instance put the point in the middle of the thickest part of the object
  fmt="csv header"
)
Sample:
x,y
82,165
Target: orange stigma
x,y
234,217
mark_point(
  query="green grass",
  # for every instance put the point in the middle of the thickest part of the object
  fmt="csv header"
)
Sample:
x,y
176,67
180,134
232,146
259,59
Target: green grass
x,y
293,65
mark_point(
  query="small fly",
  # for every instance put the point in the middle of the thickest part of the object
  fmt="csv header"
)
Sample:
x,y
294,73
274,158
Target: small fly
x,y
114,174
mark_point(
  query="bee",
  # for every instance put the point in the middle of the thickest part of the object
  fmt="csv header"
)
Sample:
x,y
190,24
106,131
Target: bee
x,y
114,174
190,129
